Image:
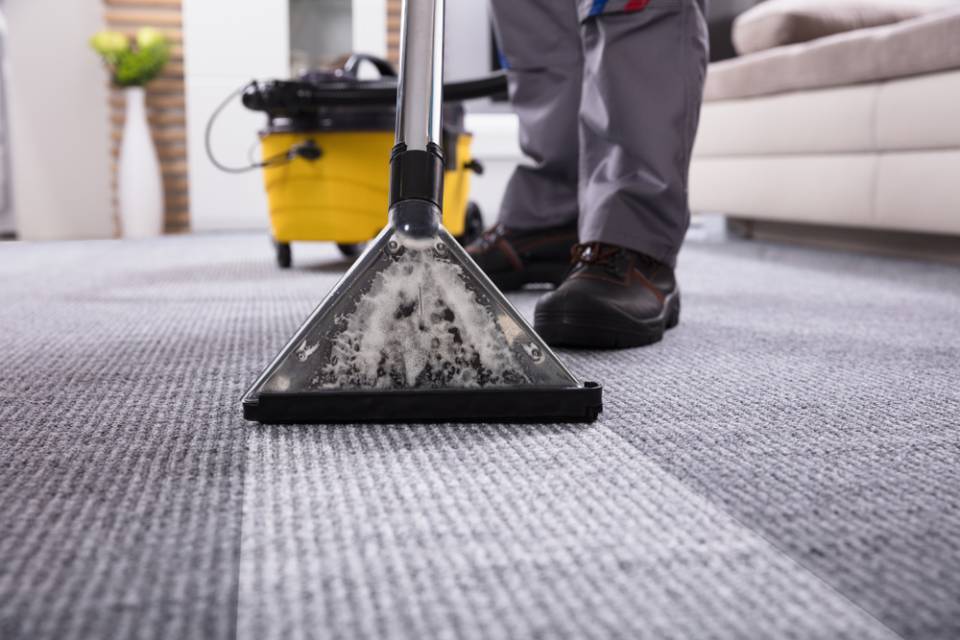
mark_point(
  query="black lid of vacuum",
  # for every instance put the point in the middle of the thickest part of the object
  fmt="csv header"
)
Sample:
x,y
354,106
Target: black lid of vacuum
x,y
339,100
292,105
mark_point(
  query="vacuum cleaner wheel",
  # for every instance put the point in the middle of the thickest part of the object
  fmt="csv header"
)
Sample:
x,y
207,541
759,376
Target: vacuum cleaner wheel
x,y
351,250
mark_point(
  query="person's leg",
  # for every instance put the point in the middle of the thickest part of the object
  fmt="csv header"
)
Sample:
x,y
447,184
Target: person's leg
x,y
644,67
540,46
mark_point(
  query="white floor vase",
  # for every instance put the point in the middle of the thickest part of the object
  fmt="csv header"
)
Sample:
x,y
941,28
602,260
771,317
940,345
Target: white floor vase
x,y
139,187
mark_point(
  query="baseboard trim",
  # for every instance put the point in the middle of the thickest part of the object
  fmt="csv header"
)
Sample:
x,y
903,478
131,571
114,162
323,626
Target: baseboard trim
x,y
900,244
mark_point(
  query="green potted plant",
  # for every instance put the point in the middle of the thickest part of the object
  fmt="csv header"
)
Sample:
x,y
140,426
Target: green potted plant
x,y
133,62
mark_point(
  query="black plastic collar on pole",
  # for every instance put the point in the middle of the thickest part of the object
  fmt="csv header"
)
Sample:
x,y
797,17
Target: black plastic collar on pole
x,y
416,174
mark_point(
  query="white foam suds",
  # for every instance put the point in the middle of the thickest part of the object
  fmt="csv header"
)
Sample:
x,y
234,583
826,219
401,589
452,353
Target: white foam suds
x,y
305,350
418,325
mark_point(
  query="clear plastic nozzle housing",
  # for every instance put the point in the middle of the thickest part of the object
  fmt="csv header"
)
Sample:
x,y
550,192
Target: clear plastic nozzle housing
x,y
415,312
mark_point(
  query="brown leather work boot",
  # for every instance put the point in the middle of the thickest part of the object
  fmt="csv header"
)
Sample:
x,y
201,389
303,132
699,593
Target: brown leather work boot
x,y
613,298
513,258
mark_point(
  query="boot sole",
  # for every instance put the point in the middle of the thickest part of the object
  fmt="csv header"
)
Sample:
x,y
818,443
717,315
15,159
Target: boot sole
x,y
534,274
599,332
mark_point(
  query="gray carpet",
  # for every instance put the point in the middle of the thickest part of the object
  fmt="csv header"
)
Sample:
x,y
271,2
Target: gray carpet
x,y
785,464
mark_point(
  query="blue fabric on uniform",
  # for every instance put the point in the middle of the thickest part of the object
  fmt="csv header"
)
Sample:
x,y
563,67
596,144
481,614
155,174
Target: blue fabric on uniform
x,y
504,63
597,7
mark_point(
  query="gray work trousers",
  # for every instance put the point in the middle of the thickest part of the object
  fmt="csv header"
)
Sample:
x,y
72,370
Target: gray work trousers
x,y
608,97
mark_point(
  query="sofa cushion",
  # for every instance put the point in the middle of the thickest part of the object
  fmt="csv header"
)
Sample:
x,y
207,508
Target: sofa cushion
x,y
829,188
906,114
833,120
922,45
919,113
905,190
780,22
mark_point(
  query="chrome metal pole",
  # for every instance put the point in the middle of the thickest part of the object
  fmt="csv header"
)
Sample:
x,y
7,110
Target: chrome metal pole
x,y
420,87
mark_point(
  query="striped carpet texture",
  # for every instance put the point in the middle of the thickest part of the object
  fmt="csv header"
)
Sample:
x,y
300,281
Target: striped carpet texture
x,y
785,464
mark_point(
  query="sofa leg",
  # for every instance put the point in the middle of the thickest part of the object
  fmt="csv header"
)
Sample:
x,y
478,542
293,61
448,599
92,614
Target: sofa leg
x,y
936,247
740,228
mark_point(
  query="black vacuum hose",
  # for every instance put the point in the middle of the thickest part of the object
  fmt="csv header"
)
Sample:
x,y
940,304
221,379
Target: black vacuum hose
x,y
292,96
280,93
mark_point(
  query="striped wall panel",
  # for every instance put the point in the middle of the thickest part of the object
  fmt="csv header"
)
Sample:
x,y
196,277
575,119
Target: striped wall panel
x,y
165,102
394,9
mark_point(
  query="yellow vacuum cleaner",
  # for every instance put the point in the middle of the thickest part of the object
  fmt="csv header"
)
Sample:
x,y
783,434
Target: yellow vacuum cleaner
x,y
324,151
341,196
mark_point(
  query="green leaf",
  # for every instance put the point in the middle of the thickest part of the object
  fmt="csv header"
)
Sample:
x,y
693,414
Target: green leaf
x,y
110,43
131,65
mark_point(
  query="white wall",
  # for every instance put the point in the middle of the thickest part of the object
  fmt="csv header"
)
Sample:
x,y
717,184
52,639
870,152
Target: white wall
x,y
494,126
495,145
320,32
6,188
58,119
226,44
467,33
369,29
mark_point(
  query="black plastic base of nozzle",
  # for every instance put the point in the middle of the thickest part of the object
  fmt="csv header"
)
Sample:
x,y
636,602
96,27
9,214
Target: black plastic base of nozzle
x,y
416,174
515,404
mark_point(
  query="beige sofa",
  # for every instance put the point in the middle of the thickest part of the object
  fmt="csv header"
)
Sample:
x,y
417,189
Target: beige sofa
x,y
859,129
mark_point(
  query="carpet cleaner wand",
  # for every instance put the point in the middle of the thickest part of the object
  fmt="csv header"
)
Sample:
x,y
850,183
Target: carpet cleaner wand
x,y
415,331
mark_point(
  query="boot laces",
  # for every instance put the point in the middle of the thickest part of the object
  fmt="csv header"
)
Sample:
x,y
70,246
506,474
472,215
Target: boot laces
x,y
611,258
490,237
594,253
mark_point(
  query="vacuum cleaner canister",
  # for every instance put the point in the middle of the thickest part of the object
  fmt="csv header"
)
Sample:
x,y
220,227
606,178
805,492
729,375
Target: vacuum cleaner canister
x,y
415,331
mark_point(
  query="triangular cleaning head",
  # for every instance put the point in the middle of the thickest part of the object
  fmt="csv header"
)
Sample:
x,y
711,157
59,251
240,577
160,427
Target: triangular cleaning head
x,y
416,332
